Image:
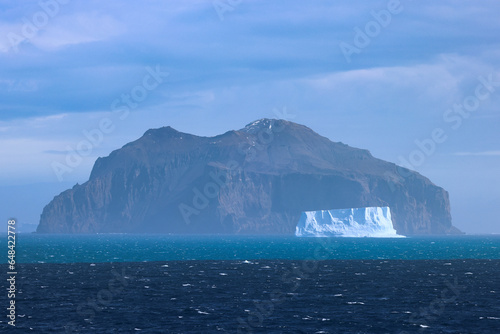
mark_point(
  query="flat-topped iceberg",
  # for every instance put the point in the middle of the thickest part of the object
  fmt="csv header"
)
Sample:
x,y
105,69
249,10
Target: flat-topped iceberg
x,y
354,222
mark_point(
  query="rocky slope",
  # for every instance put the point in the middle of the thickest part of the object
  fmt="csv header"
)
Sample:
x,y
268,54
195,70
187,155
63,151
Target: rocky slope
x,y
256,180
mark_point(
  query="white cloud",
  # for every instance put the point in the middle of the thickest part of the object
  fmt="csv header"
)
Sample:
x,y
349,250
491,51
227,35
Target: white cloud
x,y
479,154
60,30
5,40
77,29
16,85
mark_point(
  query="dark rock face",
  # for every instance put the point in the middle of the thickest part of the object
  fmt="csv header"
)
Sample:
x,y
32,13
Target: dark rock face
x,y
256,180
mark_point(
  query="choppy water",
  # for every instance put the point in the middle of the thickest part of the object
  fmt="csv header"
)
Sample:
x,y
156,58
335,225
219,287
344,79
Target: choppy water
x,y
178,284
262,296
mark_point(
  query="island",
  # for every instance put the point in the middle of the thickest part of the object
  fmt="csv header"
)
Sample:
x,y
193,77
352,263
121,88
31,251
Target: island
x,y
256,180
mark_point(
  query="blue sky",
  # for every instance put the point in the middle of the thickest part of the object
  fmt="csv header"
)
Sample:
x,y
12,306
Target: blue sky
x,y
67,65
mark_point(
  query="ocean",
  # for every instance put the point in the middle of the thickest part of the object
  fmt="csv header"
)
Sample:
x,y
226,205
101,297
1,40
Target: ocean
x,y
252,284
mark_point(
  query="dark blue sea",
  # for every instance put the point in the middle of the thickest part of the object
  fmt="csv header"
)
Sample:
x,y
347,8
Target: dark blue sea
x,y
249,284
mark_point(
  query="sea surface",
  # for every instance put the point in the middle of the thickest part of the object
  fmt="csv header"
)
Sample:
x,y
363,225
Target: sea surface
x,y
35,248
250,284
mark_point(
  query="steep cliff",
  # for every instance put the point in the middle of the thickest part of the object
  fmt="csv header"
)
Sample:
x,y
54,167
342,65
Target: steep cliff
x,y
256,180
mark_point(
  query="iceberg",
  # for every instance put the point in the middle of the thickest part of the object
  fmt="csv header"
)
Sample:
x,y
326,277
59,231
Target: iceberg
x,y
354,222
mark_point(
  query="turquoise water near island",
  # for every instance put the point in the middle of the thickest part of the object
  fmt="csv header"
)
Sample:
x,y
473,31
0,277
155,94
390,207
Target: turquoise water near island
x,y
35,248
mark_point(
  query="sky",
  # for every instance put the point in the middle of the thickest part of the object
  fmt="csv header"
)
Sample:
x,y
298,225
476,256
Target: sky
x,y
416,83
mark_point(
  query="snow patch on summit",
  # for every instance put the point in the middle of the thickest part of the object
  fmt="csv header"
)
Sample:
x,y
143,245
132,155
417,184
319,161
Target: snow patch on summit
x,y
259,125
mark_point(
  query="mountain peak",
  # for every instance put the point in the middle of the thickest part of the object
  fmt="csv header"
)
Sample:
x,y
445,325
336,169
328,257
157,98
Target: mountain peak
x,y
163,131
248,181
265,123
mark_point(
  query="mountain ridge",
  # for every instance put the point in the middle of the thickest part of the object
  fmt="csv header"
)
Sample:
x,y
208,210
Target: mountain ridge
x,y
256,180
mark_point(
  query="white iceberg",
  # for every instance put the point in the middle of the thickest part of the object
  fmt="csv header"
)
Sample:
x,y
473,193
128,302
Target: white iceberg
x,y
355,222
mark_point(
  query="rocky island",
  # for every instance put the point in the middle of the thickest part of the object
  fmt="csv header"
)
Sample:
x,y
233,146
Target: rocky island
x,y
257,180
